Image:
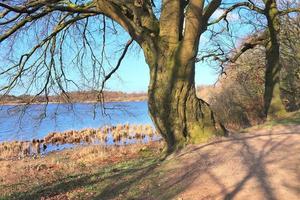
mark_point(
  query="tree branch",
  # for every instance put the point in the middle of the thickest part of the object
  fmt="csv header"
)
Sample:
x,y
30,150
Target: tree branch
x,y
171,20
233,7
107,77
261,39
193,27
290,10
22,23
62,25
211,8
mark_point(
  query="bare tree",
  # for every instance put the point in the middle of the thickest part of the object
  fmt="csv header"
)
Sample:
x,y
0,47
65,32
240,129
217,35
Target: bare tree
x,y
290,58
168,34
269,37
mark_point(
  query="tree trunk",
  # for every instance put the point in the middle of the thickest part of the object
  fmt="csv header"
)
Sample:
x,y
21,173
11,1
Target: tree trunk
x,y
273,106
170,45
179,116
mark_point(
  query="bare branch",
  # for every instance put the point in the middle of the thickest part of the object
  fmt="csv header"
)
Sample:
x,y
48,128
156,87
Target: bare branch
x,y
107,77
171,20
211,8
289,10
235,6
22,23
193,26
261,39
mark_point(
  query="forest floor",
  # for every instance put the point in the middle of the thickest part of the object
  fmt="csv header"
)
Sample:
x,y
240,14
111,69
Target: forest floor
x,y
261,162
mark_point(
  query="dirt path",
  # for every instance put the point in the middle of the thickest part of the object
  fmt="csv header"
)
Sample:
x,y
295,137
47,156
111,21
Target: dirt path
x,y
257,165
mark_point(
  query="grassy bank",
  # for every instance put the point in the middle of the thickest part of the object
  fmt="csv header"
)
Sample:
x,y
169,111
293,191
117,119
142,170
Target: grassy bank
x,y
288,119
82,173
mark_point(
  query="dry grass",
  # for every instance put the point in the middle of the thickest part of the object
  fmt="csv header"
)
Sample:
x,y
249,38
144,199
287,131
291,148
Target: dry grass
x,y
120,134
28,174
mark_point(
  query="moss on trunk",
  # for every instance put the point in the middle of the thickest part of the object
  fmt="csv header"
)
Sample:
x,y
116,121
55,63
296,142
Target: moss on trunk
x,y
272,101
177,113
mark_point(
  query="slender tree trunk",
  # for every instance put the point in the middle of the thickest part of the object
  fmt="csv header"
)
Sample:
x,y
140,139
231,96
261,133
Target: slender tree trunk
x,y
272,102
177,113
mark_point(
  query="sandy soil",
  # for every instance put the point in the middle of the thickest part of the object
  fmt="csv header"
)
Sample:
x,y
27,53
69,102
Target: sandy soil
x,y
261,164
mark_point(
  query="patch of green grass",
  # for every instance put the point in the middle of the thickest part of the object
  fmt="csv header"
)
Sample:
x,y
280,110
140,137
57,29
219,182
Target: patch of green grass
x,y
289,118
292,118
105,182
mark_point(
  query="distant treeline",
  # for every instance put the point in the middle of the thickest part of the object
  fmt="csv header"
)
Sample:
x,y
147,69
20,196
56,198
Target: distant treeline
x,y
80,96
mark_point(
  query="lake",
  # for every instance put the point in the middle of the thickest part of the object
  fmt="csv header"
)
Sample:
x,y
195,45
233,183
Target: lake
x,y
36,121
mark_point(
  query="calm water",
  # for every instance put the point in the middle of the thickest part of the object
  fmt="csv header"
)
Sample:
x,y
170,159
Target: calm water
x,y
36,121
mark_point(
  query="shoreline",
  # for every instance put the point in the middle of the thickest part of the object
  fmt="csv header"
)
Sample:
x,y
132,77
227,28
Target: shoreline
x,y
115,135
77,102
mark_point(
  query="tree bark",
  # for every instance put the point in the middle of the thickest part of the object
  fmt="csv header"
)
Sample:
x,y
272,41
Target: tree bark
x,y
179,116
273,106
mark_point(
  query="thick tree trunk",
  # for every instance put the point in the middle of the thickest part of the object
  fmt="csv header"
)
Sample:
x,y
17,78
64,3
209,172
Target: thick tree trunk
x,y
170,45
179,116
272,102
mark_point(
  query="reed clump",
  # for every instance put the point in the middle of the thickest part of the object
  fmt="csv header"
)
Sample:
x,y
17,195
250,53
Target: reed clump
x,y
120,134
15,149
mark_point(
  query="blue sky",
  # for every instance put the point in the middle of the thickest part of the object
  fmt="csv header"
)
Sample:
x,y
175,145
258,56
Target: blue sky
x,y
133,75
